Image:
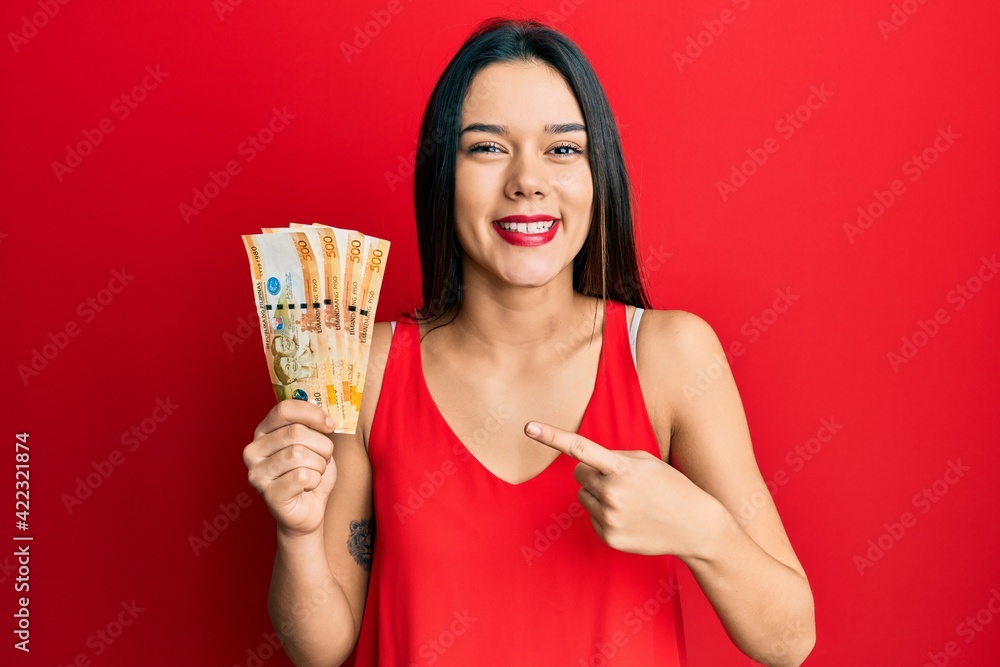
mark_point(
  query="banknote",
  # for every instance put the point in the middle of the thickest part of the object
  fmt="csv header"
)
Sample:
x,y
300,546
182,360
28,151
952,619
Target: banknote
x,y
334,289
323,266
376,254
289,300
366,257
353,276
326,247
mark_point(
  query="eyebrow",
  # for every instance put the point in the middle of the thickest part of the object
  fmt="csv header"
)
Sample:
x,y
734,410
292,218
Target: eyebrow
x,y
550,128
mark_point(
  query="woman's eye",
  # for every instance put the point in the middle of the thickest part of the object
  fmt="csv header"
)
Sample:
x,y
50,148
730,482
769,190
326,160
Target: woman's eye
x,y
484,148
567,149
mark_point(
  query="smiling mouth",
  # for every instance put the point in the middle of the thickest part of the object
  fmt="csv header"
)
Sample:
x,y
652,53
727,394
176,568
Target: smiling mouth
x,y
530,233
527,227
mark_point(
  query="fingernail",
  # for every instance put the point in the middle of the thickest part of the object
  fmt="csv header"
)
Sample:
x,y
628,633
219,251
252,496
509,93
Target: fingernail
x,y
329,422
532,429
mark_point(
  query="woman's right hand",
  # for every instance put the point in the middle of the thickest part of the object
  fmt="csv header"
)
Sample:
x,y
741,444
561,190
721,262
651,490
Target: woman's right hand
x,y
290,462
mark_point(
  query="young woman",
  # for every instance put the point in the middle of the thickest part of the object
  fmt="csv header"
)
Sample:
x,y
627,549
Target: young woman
x,y
527,450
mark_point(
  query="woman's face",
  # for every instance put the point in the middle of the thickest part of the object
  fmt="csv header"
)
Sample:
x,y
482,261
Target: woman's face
x,y
522,152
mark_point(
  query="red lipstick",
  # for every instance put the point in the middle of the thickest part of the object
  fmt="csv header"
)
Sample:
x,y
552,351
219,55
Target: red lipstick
x,y
526,238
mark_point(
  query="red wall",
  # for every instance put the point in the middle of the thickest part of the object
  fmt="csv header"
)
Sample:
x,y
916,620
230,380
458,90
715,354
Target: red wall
x,y
133,312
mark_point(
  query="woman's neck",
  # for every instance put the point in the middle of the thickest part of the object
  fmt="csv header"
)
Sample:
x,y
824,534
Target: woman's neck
x,y
524,322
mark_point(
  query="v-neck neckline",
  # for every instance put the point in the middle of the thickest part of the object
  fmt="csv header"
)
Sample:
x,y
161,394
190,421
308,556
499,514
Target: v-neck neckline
x,y
583,420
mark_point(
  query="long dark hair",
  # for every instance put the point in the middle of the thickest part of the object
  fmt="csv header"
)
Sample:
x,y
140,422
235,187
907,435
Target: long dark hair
x,y
606,265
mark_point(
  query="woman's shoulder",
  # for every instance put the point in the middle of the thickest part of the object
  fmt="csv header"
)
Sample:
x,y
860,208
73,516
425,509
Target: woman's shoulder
x,y
675,347
676,329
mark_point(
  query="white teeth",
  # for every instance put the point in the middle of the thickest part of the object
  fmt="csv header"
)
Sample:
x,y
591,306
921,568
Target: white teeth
x,y
527,227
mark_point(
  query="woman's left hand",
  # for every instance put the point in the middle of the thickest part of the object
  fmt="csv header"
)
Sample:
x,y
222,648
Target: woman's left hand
x,y
637,502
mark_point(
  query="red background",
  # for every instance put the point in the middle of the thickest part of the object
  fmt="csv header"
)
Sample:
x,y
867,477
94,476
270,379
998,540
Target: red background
x,y
177,331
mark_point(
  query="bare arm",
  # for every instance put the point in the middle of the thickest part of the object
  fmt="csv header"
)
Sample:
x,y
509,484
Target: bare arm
x,y
744,563
319,487
318,584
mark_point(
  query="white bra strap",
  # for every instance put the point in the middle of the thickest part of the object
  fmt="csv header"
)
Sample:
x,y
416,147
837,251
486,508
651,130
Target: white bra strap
x,y
633,331
393,326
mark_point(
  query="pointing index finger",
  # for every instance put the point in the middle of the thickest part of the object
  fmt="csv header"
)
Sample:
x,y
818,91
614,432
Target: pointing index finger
x,y
580,448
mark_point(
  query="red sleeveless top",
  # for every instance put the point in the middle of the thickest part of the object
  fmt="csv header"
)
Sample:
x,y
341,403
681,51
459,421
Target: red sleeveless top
x,y
471,570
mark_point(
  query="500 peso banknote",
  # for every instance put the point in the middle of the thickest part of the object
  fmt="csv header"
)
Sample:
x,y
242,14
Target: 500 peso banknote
x,y
317,289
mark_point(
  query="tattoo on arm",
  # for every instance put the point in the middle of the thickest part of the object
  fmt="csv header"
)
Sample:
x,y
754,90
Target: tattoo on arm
x,y
361,542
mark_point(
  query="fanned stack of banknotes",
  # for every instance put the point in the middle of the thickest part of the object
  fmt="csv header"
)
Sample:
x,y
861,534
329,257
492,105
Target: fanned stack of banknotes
x,y
316,289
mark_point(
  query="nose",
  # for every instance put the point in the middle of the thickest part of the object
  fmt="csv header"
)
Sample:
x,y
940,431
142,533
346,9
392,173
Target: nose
x,y
527,176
